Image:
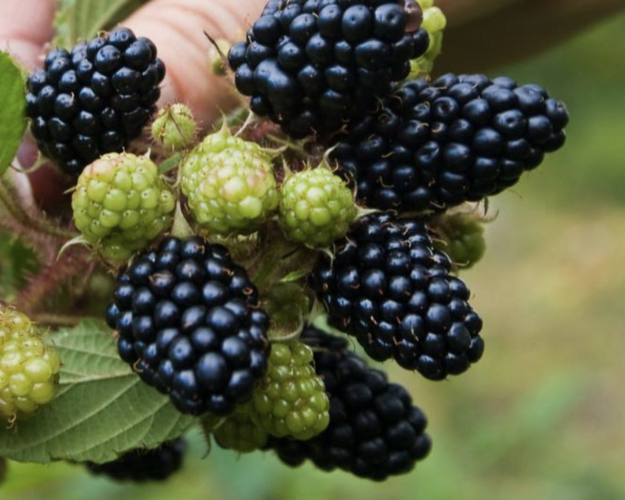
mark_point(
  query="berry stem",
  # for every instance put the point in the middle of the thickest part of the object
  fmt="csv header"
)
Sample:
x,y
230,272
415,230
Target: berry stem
x,y
22,217
56,320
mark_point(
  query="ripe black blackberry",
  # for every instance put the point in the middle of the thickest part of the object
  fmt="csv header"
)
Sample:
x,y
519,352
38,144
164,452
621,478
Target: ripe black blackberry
x,y
374,431
141,465
459,138
390,288
311,65
189,323
94,99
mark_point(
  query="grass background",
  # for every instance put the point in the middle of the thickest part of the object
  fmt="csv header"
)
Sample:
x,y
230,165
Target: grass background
x,y
542,416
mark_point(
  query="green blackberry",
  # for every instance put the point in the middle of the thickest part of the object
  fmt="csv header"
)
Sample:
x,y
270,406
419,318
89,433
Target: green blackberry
x,y
459,138
434,22
229,183
312,65
375,431
121,204
461,237
141,465
29,367
389,287
290,400
316,207
240,432
95,99
189,323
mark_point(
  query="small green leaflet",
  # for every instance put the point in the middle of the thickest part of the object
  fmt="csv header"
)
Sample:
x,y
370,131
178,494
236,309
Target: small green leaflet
x,y
295,276
102,408
170,163
82,19
12,107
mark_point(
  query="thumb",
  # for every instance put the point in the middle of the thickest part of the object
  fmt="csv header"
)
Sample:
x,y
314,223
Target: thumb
x,y
177,28
25,26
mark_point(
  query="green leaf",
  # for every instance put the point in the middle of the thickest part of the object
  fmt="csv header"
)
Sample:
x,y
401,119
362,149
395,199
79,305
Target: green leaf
x,y
12,107
170,163
295,275
17,262
102,408
82,19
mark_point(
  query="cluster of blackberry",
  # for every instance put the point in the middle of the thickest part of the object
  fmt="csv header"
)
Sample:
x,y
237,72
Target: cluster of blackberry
x,y
375,431
189,322
141,465
312,65
95,99
388,286
434,145
253,231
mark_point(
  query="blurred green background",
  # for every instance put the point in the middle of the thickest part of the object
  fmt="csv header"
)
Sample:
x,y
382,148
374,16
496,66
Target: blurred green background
x,y
542,416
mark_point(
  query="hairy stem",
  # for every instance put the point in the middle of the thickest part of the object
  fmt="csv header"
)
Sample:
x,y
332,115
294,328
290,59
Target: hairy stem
x,y
56,320
23,218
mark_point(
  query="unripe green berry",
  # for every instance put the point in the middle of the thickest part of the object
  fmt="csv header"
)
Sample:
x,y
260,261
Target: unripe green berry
x,y
239,432
462,238
29,367
217,57
434,22
290,400
230,184
121,204
174,127
316,207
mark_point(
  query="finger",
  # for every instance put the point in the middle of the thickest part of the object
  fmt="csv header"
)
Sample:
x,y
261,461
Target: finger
x,y
177,28
519,31
25,26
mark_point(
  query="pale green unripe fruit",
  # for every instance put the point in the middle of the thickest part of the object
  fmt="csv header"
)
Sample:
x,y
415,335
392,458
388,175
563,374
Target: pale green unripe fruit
x,y
121,204
239,432
229,184
316,207
434,22
217,57
174,127
290,400
29,367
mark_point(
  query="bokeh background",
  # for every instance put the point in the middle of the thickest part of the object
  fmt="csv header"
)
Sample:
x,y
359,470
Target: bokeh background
x,y
542,416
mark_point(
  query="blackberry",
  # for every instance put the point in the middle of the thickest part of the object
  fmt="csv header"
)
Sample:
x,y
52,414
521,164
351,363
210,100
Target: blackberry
x,y
95,99
141,465
189,324
312,65
434,22
291,400
121,204
390,288
461,237
316,207
375,431
239,432
460,138
29,367
174,128
229,183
